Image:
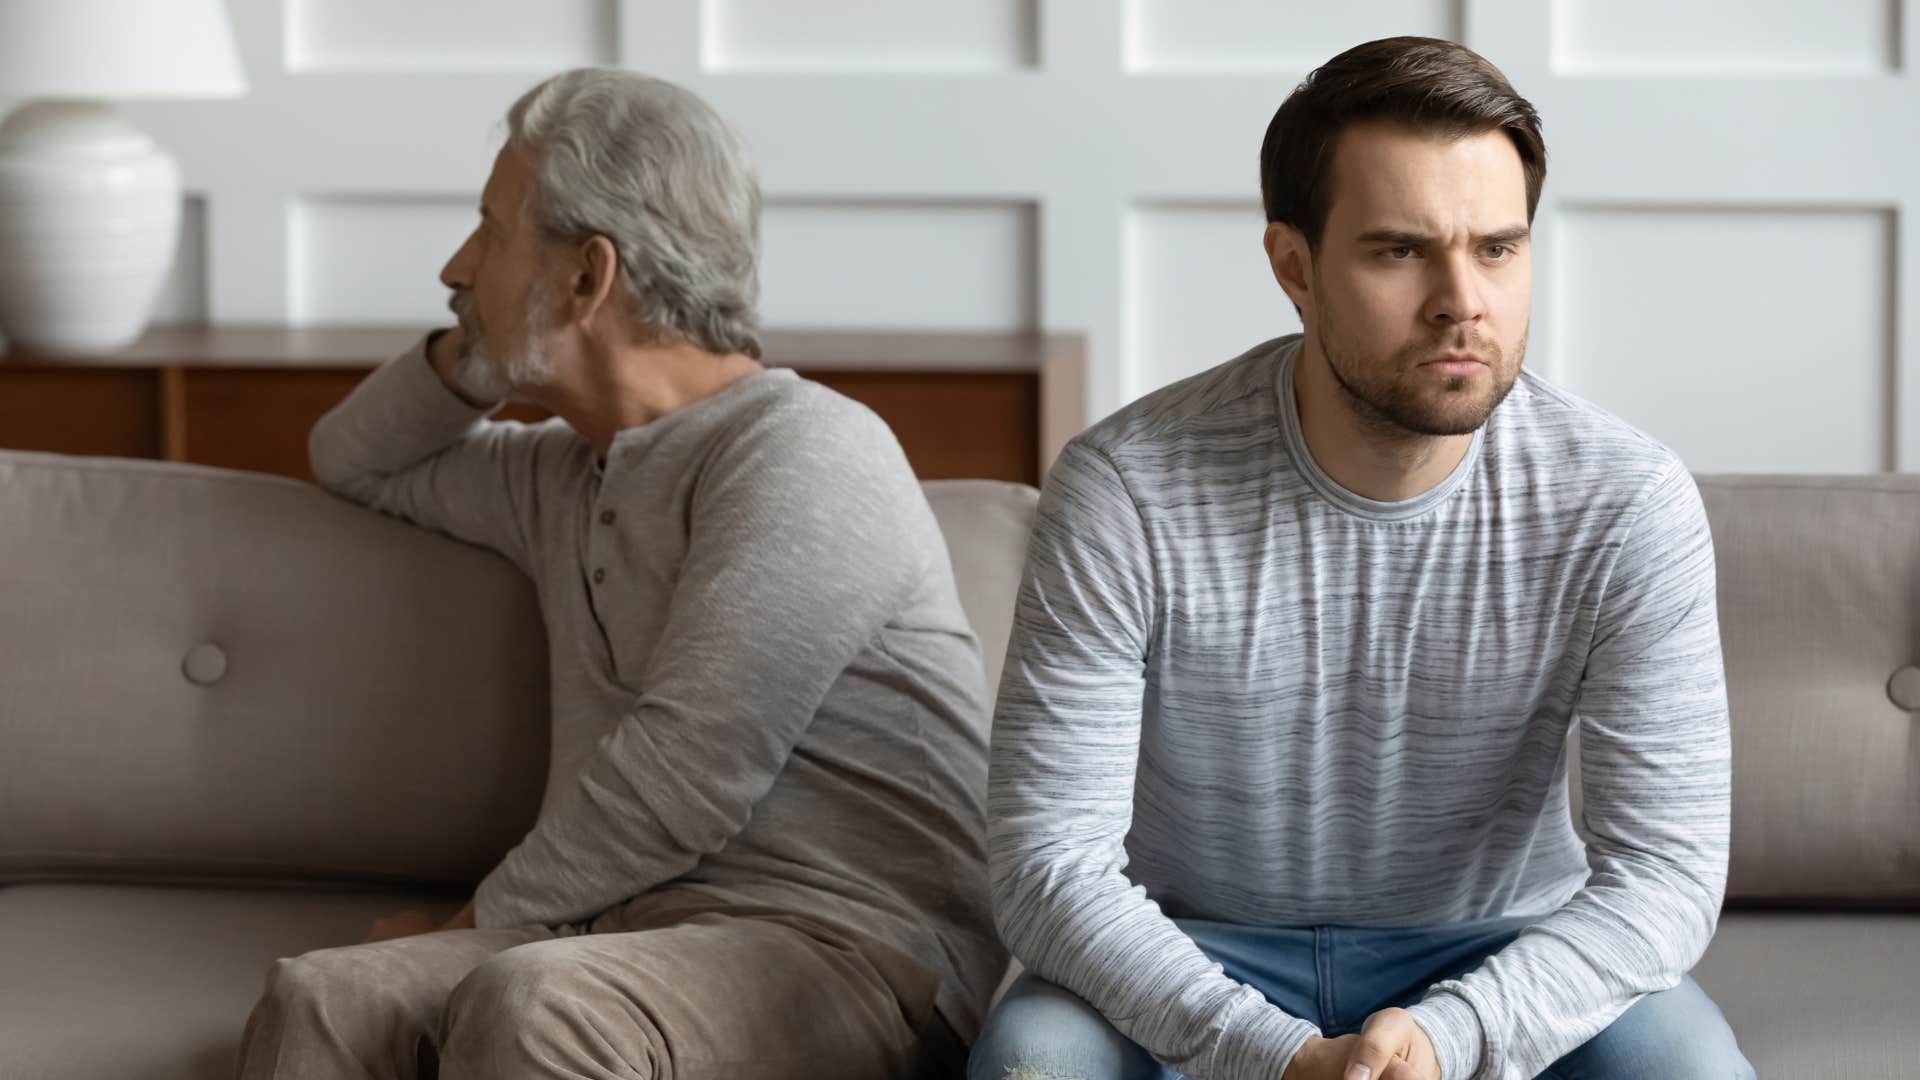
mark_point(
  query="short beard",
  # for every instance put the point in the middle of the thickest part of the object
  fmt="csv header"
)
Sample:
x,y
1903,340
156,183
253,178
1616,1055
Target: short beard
x,y
482,376
1384,400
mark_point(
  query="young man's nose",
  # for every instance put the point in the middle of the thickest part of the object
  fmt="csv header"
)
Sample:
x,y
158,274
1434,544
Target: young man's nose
x,y
1456,296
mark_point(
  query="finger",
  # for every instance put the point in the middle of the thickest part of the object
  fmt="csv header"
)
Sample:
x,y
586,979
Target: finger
x,y
1369,1061
1380,1042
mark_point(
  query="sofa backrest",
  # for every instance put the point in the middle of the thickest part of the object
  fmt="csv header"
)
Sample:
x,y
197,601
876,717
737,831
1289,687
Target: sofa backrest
x,y
217,675
1819,582
986,523
211,675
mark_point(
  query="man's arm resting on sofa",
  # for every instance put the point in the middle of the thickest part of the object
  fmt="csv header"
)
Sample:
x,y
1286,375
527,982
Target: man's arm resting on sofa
x,y
1656,789
405,442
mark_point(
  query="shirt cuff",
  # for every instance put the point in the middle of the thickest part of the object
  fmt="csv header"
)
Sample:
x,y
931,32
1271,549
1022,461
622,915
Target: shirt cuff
x,y
1454,1030
1259,1042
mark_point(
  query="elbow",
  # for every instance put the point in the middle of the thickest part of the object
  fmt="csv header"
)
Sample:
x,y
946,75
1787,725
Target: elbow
x,y
332,466
1026,885
322,459
1014,918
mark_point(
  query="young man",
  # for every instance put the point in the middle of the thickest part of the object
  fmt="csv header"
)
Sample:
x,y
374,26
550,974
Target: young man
x,y
761,851
1278,769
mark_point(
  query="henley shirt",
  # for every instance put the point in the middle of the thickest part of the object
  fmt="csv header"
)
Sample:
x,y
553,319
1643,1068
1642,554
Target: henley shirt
x,y
764,688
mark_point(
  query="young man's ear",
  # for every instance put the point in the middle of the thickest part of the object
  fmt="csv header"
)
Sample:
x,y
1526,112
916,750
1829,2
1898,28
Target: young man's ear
x,y
1292,263
596,270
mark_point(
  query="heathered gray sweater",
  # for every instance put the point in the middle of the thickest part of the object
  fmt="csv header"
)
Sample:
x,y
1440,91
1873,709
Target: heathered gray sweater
x,y
764,688
1236,691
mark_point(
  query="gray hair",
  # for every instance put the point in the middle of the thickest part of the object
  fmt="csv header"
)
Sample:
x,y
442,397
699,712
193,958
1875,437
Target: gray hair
x,y
654,169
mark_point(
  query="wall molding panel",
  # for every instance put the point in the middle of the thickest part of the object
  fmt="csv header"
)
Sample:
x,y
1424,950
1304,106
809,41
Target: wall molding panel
x,y
1748,338
1090,166
446,35
898,36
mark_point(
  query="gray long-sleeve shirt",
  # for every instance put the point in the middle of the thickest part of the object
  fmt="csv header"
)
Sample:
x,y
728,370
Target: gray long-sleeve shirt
x,y
764,688
1236,691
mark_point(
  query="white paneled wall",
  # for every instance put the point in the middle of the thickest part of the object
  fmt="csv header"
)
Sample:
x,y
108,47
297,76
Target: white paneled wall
x,y
445,35
1726,254
1199,289
896,264
1262,37
1833,37
1750,339
343,252
913,37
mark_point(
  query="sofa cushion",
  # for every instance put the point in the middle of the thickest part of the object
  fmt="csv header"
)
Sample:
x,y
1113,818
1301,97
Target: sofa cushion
x,y
1825,994
222,675
1819,583
986,523
155,983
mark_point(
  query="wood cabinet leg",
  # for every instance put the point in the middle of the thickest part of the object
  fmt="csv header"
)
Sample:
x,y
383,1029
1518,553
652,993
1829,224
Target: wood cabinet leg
x,y
173,412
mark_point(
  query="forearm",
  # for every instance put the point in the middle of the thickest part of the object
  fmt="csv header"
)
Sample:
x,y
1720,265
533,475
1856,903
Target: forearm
x,y
1567,977
1060,799
400,414
1091,932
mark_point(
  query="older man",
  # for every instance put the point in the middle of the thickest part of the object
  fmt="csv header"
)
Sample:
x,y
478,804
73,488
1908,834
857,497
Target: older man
x,y
760,852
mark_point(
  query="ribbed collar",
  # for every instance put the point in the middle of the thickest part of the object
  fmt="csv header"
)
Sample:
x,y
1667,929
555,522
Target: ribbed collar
x,y
630,444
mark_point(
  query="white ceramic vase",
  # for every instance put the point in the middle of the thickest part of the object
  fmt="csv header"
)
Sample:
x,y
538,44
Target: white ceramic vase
x,y
89,217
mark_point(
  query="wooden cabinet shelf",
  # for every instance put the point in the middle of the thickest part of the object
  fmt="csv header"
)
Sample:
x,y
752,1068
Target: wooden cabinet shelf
x,y
963,405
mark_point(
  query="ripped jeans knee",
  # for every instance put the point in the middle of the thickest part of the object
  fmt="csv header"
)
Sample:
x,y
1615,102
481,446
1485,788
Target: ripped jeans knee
x,y
1040,1031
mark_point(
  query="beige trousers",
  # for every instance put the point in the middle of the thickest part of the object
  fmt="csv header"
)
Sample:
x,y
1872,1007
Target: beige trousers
x,y
657,988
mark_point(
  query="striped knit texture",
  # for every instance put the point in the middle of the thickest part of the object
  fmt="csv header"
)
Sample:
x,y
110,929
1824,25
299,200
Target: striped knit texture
x,y
1236,691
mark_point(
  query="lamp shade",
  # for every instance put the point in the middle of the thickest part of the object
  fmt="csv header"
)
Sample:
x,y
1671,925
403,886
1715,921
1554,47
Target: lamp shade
x,y
108,49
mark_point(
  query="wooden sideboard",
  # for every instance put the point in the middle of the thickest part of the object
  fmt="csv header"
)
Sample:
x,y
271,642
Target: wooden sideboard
x,y
998,406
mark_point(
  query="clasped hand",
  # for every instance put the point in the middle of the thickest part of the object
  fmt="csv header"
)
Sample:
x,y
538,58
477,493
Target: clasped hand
x,y
1389,1046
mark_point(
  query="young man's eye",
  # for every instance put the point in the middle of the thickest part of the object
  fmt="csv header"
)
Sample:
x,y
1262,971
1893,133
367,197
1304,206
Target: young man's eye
x,y
1497,251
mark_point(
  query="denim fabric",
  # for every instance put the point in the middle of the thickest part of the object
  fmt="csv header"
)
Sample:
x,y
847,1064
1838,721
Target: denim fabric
x,y
1336,977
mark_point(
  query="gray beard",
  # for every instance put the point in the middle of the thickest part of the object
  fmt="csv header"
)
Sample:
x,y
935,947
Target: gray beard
x,y
482,378
478,377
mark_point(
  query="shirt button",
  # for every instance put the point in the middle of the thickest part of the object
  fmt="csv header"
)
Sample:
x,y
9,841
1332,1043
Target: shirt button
x,y
600,575
606,517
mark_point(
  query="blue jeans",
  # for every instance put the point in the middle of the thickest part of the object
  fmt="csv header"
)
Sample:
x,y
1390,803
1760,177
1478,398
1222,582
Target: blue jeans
x,y
1336,977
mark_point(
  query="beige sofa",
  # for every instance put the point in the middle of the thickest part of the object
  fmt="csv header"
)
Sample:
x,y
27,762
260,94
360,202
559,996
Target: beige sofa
x,y
239,718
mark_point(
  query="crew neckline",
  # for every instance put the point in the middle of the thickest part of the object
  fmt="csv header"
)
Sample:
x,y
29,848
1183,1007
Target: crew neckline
x,y
1331,489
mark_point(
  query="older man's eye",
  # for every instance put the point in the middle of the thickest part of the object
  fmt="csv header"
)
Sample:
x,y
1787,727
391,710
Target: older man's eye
x,y
1401,252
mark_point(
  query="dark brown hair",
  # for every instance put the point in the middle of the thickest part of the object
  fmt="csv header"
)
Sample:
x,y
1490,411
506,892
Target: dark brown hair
x,y
1431,85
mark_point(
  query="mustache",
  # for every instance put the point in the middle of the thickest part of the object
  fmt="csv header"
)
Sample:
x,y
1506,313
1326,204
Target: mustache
x,y
1474,345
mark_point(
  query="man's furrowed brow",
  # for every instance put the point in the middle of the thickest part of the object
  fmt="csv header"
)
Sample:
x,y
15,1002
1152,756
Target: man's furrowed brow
x,y
1512,234
1397,237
